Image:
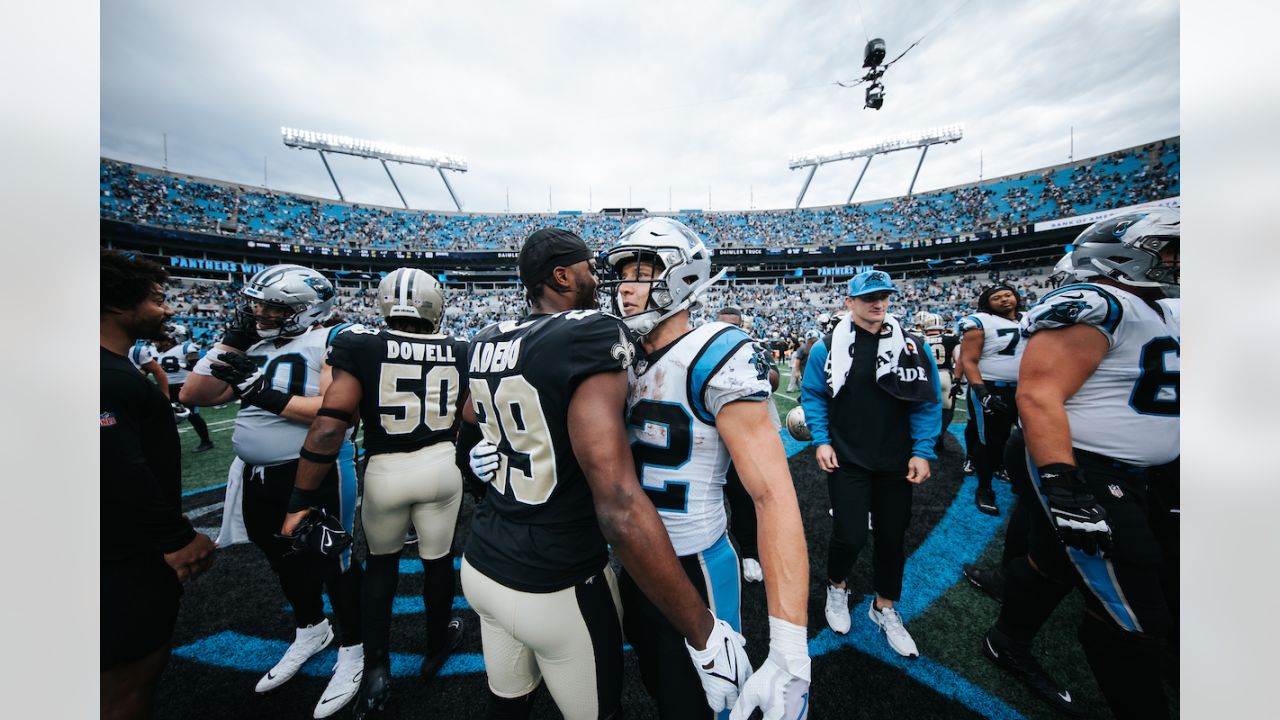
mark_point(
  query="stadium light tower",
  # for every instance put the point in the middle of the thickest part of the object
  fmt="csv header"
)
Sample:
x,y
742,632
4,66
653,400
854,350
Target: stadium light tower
x,y
919,139
380,151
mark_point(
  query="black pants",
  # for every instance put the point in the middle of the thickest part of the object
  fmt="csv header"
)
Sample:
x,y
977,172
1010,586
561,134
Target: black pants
x,y
197,422
742,515
1128,612
993,432
266,499
886,496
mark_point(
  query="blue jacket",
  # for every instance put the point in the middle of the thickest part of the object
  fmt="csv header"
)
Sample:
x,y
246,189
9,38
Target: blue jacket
x,y
925,417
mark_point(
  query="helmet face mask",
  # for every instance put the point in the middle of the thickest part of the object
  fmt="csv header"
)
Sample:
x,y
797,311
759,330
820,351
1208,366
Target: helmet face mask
x,y
285,300
1129,249
680,264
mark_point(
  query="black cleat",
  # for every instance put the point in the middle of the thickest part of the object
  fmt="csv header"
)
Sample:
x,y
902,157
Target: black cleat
x,y
1020,663
990,582
986,501
375,690
1002,475
431,663
202,447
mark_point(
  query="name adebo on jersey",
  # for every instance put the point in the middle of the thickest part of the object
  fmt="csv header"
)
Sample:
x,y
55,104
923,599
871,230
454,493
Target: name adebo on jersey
x,y
1128,409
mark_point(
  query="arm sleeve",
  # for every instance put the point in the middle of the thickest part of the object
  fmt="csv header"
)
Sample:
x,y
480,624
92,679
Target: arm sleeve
x,y
132,486
925,418
813,394
1075,305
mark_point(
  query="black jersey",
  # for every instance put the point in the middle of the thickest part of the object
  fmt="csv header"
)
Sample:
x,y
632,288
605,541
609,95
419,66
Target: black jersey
x,y
411,385
944,350
537,531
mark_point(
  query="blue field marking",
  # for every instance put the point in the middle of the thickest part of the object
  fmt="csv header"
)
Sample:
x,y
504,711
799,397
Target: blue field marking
x,y
246,653
414,567
402,605
211,488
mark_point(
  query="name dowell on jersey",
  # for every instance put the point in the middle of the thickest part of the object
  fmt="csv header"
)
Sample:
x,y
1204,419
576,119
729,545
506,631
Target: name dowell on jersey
x,y
495,356
402,349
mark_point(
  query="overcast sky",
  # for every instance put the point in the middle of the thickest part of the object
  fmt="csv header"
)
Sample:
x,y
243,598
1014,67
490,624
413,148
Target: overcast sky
x,y
610,103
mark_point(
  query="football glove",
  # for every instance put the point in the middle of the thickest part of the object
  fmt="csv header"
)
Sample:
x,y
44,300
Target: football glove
x,y
484,460
248,381
1077,517
320,535
992,404
180,411
780,687
723,667
240,335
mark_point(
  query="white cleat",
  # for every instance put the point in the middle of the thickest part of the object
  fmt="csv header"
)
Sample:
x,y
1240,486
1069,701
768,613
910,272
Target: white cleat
x,y
345,682
837,609
751,570
895,632
308,642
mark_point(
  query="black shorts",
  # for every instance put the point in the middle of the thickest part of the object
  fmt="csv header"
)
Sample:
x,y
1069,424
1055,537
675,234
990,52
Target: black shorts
x,y
139,605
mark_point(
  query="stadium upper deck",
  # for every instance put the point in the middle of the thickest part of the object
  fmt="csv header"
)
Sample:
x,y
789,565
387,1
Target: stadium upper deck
x,y
137,194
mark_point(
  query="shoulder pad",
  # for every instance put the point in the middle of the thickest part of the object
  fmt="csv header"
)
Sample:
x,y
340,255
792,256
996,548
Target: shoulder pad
x,y
969,322
1082,304
340,329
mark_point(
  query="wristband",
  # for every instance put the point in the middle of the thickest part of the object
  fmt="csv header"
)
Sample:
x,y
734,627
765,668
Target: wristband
x,y
301,499
315,457
269,399
335,413
1058,475
786,639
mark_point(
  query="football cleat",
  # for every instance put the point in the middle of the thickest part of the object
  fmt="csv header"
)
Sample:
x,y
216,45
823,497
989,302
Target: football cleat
x,y
751,570
1002,475
986,501
837,609
968,466
990,582
344,684
202,447
1018,661
432,663
308,642
888,620
375,690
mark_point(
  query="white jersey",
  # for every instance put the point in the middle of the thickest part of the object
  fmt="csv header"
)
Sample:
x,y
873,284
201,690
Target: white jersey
x,y
174,361
1001,345
294,366
1128,408
674,397
142,353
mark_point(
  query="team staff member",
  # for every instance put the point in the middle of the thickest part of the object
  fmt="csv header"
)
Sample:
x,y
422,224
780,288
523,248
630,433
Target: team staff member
x,y
992,349
148,548
871,398
1099,396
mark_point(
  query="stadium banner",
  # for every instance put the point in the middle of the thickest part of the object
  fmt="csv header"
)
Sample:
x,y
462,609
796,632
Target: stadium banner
x,y
228,266
1091,218
847,249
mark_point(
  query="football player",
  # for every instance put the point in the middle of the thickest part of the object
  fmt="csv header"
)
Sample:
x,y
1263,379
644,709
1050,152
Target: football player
x,y
272,359
992,350
549,392
415,378
177,355
143,355
698,401
1098,394
944,345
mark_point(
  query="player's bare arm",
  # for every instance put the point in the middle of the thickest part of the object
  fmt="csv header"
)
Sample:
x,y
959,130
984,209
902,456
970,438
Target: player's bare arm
x,y
627,516
971,342
761,462
341,398
1055,365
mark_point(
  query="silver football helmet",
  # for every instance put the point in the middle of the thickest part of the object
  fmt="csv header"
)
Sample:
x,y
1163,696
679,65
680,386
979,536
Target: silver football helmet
x,y
797,426
411,293
178,333
1126,248
305,296
927,321
825,322
682,270
1064,273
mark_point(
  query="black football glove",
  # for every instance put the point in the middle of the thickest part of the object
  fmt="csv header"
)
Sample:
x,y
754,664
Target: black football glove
x,y
993,404
320,535
1078,518
240,334
248,381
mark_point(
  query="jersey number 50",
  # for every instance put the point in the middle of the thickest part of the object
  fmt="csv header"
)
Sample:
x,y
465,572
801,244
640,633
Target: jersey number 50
x,y
511,418
434,408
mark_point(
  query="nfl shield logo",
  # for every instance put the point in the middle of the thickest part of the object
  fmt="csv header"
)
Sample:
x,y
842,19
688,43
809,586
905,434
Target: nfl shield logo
x,y
1115,490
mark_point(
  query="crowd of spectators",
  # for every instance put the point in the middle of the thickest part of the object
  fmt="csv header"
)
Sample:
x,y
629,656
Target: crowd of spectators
x,y
139,195
773,310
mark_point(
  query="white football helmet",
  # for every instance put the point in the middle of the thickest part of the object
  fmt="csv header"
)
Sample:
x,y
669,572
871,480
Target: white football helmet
x,y
305,295
1126,248
411,293
179,333
825,322
797,426
682,269
1064,273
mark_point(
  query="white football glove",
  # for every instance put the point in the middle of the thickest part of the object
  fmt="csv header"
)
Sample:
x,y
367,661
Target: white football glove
x,y
723,667
484,460
180,411
780,687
